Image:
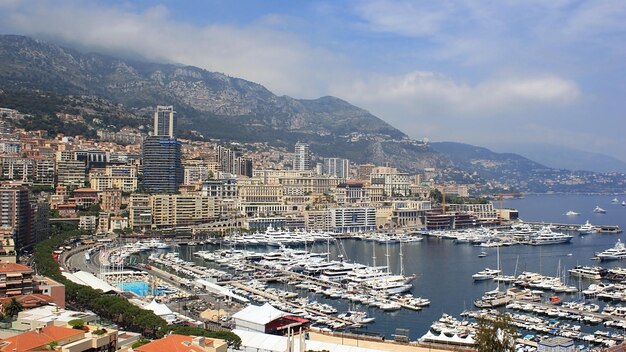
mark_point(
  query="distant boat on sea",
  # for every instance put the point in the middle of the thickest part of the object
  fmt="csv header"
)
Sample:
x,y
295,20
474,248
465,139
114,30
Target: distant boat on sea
x,y
572,213
599,210
615,201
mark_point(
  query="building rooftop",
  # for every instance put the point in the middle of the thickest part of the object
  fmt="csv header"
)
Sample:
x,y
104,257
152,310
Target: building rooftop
x,y
175,343
30,340
12,267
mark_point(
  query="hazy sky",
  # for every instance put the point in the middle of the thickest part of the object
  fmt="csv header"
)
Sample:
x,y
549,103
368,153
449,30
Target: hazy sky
x,y
481,72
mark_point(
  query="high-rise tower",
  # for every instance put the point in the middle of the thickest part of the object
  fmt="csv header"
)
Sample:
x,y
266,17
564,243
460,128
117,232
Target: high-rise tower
x,y
162,169
302,157
164,121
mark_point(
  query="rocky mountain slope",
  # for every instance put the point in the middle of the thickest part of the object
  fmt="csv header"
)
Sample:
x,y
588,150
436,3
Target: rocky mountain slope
x,y
214,104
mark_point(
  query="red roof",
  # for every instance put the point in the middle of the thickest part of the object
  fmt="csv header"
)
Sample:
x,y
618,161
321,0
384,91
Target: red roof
x,y
12,267
85,190
29,300
30,340
173,343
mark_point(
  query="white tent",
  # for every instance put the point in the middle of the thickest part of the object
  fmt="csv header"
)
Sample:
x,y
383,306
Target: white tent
x,y
254,318
220,290
161,310
429,337
88,279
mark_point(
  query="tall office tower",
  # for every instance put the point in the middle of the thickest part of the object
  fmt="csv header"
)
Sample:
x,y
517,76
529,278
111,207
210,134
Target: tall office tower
x,y
162,169
336,167
164,121
302,157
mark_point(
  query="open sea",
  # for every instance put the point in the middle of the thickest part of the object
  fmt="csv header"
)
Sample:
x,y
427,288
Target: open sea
x,y
444,269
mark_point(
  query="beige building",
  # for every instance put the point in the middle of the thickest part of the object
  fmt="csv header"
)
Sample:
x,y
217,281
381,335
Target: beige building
x,y
88,222
273,176
103,222
15,280
140,211
457,190
181,209
71,173
484,212
317,220
111,200
260,194
7,246
122,177
394,183
312,184
118,223
409,213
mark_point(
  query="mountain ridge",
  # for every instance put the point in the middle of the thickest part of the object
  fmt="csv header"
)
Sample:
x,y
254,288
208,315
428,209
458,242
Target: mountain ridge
x,y
217,105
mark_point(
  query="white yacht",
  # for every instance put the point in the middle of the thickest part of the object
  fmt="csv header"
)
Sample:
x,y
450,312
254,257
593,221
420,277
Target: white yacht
x,y
572,213
615,201
486,274
586,229
356,317
546,236
617,252
492,299
587,272
599,210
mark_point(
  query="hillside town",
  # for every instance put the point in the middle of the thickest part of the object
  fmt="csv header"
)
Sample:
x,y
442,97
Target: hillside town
x,y
129,182
128,185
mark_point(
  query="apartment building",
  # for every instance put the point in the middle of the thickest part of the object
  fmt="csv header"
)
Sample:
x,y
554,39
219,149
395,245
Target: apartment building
x,y
260,194
122,177
394,183
169,210
111,200
140,211
15,280
71,172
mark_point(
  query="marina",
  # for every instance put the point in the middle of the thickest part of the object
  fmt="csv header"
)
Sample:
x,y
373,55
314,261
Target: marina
x,y
437,266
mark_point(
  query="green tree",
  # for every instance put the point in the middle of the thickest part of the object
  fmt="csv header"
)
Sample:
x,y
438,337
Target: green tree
x,y
13,308
76,324
497,335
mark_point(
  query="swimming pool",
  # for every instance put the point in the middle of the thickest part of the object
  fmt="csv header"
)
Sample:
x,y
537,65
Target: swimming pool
x,y
139,288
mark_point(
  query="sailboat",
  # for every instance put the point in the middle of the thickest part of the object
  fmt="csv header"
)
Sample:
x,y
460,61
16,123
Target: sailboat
x,y
494,298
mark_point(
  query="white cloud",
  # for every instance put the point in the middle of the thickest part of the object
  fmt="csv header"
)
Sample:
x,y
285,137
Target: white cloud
x,y
278,59
431,93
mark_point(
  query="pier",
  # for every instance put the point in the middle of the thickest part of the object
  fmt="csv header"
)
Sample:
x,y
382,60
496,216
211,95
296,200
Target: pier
x,y
575,227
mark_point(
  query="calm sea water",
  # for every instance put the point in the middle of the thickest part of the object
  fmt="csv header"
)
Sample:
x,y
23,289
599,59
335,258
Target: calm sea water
x,y
444,269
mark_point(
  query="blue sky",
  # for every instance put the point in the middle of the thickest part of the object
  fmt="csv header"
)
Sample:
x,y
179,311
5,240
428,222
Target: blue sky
x,y
490,73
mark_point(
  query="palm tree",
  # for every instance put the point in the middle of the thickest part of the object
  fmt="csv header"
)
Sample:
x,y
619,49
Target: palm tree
x,y
13,308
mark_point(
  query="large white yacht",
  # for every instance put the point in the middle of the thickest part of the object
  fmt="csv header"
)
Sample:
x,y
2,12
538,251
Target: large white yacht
x,y
546,236
597,209
486,274
588,272
616,252
586,228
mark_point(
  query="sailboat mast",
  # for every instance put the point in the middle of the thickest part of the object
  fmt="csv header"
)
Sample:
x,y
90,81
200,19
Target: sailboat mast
x,y
374,253
498,263
387,255
328,249
401,260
